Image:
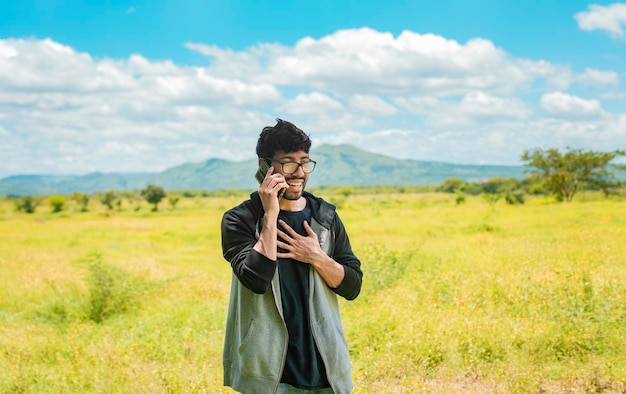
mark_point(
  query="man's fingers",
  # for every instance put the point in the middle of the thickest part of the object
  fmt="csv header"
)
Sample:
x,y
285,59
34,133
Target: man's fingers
x,y
309,229
288,229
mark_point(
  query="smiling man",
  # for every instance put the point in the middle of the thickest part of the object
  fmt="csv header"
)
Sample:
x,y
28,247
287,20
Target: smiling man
x,y
291,257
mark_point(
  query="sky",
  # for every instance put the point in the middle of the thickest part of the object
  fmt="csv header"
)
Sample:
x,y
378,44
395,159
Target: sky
x,y
134,85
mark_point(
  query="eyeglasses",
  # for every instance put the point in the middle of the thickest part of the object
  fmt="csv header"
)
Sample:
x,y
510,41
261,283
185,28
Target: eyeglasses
x,y
290,167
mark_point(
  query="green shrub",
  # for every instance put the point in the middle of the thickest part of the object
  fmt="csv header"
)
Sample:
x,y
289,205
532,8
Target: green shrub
x,y
26,204
57,203
460,198
345,191
514,197
111,289
108,198
173,199
82,199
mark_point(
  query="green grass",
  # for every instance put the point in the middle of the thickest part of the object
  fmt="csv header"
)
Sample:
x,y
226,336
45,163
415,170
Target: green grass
x,y
469,298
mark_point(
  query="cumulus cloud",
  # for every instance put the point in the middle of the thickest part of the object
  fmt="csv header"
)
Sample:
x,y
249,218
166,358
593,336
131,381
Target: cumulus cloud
x,y
53,98
411,95
371,105
473,108
479,105
611,18
311,104
598,78
365,61
569,106
613,96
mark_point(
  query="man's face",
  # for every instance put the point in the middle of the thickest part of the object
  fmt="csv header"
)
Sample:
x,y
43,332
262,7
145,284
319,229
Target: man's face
x,y
296,180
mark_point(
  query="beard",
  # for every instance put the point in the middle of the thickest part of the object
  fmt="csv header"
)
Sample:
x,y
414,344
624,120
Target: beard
x,y
294,193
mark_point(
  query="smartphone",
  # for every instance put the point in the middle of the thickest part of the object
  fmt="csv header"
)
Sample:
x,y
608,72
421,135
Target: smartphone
x,y
262,171
260,175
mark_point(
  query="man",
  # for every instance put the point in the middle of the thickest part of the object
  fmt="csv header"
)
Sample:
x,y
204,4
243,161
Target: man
x,y
290,257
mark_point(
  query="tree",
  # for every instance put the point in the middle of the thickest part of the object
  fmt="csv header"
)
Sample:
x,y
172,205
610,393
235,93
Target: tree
x,y
82,199
565,173
153,194
452,185
108,198
499,185
27,204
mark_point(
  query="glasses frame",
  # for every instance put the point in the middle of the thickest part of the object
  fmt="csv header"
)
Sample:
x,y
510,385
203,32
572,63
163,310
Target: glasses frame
x,y
300,165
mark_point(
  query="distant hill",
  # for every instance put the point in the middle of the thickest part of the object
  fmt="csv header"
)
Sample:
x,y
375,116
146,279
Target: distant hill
x,y
336,165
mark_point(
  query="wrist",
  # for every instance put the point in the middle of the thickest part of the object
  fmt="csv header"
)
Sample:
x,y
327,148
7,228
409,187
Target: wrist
x,y
270,217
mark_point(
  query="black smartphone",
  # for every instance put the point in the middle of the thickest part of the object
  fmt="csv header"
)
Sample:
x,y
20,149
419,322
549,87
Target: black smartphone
x,y
260,175
262,171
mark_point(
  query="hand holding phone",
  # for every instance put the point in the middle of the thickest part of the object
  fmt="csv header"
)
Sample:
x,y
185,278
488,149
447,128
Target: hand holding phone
x,y
260,175
262,171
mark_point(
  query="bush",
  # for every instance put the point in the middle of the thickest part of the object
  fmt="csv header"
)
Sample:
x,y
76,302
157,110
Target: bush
x,y
57,203
515,197
460,198
173,199
345,191
452,185
82,199
27,204
111,290
108,198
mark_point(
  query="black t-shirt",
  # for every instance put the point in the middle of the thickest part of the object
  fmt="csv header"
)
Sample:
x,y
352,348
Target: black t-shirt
x,y
304,367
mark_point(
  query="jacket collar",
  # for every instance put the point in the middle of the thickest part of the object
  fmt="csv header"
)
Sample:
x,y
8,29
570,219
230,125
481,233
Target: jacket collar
x,y
321,210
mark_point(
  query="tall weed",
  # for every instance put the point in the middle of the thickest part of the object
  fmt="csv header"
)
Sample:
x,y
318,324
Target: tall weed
x,y
111,289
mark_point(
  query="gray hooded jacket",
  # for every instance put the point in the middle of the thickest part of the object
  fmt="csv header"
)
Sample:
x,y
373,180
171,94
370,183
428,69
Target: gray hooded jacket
x,y
256,339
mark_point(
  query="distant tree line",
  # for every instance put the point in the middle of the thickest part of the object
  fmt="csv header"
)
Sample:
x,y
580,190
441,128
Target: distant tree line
x,y
550,172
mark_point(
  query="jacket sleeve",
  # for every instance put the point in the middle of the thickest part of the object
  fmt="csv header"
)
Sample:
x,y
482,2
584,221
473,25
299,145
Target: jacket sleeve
x,y
254,270
350,287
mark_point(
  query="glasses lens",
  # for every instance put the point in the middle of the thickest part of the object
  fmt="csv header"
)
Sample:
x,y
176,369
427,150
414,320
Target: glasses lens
x,y
290,167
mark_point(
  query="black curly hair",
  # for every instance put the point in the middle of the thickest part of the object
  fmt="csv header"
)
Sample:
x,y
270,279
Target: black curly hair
x,y
285,136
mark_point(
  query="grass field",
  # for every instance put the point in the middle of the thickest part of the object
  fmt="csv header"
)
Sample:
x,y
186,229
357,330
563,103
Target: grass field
x,y
472,298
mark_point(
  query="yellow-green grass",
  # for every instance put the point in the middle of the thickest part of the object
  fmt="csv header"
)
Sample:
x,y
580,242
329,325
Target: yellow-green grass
x,y
477,297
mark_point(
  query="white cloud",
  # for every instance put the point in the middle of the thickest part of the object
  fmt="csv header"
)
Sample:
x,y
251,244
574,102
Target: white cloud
x,y
611,18
371,105
613,96
478,105
568,106
598,78
473,108
311,104
418,96
419,105
368,62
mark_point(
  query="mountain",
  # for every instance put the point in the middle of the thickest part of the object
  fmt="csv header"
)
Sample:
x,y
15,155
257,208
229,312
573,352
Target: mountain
x,y
336,165
346,165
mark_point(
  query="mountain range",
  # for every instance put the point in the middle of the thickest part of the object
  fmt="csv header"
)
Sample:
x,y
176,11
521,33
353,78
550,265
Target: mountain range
x,y
336,165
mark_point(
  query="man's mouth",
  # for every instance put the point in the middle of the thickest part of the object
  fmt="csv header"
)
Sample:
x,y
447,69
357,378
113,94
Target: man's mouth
x,y
295,183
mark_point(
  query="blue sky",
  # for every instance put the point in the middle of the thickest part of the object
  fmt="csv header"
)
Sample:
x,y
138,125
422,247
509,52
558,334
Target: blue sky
x,y
110,86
